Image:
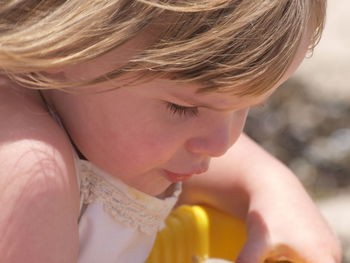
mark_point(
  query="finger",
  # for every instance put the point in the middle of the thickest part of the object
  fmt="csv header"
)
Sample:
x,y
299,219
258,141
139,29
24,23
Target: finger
x,y
262,252
251,252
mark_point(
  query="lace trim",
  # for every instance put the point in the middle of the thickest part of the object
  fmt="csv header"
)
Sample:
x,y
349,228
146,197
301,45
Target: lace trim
x,y
125,204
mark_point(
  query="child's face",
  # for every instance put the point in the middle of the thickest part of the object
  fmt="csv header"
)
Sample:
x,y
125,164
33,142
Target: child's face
x,y
153,134
144,134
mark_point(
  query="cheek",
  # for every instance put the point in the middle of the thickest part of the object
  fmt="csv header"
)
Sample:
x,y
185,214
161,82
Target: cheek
x,y
145,144
243,116
238,122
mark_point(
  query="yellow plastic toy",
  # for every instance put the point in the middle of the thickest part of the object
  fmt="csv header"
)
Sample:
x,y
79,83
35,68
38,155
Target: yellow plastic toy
x,y
195,233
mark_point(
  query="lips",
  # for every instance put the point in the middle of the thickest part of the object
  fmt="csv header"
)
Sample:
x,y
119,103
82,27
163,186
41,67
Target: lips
x,y
175,177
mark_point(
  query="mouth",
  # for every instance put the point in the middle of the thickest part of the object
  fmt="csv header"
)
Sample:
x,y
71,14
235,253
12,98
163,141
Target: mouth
x,y
175,177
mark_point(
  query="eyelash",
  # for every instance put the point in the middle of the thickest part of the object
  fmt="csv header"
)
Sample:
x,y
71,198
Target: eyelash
x,y
182,111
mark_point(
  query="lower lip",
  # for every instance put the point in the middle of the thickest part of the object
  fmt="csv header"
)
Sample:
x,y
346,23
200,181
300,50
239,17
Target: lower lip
x,y
174,178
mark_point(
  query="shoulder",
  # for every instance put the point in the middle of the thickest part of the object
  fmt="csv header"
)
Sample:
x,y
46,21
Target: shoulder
x,y
26,123
39,195
29,137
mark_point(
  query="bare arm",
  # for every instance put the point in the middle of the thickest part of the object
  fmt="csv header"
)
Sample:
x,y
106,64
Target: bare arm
x,y
38,188
281,218
242,174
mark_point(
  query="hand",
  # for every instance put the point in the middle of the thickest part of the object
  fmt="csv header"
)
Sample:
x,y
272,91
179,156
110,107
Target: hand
x,y
298,235
282,221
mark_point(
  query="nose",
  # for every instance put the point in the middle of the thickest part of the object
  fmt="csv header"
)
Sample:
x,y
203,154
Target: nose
x,y
217,135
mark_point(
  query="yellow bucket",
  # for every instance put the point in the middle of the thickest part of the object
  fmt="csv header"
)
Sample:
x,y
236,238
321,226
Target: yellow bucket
x,y
196,233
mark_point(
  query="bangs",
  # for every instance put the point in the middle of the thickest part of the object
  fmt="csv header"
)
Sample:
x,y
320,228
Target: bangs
x,y
236,46
243,48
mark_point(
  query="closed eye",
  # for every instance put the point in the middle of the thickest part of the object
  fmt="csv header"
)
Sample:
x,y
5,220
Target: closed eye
x,y
182,111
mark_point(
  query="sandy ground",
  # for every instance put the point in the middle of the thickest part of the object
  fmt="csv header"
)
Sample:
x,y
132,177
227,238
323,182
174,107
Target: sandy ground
x,y
328,76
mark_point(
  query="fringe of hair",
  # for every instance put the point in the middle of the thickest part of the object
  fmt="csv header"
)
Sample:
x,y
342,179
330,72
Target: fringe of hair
x,y
237,46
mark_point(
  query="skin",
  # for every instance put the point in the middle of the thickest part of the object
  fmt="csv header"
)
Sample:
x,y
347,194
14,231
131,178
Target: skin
x,y
38,188
282,221
140,137
147,138
131,133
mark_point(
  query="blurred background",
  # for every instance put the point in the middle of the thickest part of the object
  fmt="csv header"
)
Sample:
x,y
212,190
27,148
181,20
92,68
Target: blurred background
x,y
306,124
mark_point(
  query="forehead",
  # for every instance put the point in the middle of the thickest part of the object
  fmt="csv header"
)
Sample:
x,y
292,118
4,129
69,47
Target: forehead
x,y
188,91
186,94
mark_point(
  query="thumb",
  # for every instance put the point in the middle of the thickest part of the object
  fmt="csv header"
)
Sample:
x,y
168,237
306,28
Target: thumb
x,y
260,252
252,252
257,253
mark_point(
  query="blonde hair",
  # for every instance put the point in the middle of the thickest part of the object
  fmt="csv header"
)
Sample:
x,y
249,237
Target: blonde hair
x,y
238,46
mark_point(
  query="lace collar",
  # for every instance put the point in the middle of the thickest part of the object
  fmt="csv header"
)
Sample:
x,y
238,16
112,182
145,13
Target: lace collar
x,y
125,204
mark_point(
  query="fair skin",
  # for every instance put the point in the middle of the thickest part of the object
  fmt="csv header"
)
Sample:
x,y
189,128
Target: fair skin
x,y
133,135
282,222
141,138
143,132
37,171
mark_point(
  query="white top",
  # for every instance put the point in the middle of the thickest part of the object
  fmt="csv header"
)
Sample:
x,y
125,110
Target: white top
x,y
117,224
